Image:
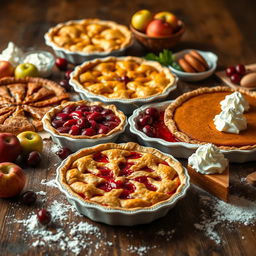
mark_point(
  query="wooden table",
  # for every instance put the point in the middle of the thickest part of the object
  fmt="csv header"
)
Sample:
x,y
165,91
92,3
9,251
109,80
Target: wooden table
x,y
224,27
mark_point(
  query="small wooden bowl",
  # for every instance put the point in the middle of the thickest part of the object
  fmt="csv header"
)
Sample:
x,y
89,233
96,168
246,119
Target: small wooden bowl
x,y
159,43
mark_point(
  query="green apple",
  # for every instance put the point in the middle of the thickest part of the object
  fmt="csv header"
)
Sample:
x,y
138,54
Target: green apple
x,y
26,69
30,141
141,19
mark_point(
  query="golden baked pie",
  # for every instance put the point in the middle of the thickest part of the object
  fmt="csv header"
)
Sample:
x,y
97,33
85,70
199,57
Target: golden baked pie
x,y
90,36
84,120
122,176
24,101
190,119
123,78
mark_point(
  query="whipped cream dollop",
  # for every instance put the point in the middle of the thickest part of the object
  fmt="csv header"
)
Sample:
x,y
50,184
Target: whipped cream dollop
x,y
12,53
236,101
208,160
42,60
230,120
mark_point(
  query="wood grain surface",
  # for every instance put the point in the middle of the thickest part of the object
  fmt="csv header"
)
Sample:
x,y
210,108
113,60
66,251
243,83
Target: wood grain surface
x,y
223,26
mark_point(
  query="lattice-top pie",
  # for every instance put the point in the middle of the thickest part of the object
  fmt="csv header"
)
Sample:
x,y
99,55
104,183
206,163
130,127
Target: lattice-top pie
x,y
23,102
90,36
123,176
123,78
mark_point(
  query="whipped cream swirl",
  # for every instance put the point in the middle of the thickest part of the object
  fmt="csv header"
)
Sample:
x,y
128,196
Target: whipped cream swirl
x,y
208,160
12,53
230,120
236,101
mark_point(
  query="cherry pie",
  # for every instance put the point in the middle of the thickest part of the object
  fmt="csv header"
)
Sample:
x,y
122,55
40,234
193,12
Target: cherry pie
x,y
90,36
122,176
123,78
84,120
23,102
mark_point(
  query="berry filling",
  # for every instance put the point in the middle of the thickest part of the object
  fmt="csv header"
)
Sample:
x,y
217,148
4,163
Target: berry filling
x,y
144,180
151,122
99,157
125,169
134,155
105,173
85,120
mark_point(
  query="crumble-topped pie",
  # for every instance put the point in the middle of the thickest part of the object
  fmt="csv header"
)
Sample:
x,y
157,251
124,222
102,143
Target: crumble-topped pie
x,y
123,78
24,101
191,118
90,36
84,120
122,176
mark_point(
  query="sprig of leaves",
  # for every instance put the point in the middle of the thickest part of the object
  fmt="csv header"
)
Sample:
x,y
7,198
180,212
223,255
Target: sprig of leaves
x,y
165,58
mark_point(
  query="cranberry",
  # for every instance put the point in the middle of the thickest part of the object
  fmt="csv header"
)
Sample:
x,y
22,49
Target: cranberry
x,y
230,71
96,108
93,124
107,112
103,129
63,129
62,116
83,108
235,78
95,116
149,130
70,122
89,132
68,109
111,117
240,69
28,197
144,120
65,85
33,158
67,74
61,63
63,153
82,123
153,112
44,217
74,130
76,114
57,123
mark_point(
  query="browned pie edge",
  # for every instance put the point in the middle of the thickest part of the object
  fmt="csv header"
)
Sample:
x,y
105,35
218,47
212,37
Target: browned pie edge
x,y
127,33
130,146
169,114
87,65
52,112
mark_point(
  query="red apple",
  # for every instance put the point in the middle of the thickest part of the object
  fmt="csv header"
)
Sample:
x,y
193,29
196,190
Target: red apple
x,y
168,17
141,19
10,147
12,180
158,28
6,68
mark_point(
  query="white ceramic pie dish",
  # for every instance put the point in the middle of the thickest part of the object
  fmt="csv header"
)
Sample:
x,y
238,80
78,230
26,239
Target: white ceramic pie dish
x,y
125,105
75,144
110,216
210,58
181,149
79,57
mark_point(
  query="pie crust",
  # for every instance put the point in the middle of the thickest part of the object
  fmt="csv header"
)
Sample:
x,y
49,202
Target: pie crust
x,y
104,77
90,36
81,177
24,101
54,111
173,126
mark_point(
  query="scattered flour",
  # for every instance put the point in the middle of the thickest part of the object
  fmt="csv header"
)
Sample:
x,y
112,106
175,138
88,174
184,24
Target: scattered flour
x,y
41,193
50,183
238,210
140,250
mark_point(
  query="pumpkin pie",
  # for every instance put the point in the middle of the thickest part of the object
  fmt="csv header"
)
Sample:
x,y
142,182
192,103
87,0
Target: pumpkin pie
x,y
24,101
190,119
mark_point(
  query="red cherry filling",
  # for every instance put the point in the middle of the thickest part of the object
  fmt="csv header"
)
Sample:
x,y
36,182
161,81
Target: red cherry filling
x,y
129,188
85,120
144,180
105,173
125,169
99,157
147,169
134,155
152,124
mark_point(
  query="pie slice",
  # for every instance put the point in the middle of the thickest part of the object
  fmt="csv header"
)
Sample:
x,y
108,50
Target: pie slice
x,y
215,184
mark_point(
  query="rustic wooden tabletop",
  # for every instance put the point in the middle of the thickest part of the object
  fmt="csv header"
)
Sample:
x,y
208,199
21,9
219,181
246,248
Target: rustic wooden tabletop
x,y
197,225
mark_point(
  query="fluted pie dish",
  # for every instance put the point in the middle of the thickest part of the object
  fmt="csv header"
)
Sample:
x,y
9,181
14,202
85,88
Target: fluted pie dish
x,y
81,40
122,184
82,123
127,82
